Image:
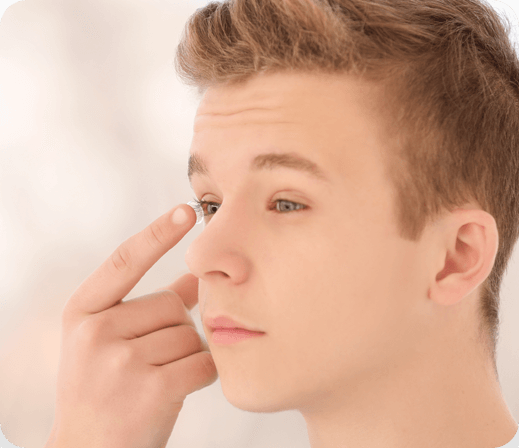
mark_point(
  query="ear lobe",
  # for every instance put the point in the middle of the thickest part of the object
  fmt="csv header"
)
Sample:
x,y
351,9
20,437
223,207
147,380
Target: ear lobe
x,y
472,244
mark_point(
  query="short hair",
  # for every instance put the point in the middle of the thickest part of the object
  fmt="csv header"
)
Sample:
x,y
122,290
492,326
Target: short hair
x,y
449,76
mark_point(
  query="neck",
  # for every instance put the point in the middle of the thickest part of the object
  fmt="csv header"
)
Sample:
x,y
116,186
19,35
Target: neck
x,y
448,399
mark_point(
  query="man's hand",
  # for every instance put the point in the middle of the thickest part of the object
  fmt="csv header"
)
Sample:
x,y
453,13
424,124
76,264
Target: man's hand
x,y
126,367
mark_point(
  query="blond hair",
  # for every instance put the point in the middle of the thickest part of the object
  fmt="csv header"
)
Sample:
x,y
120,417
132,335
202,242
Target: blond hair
x,y
451,82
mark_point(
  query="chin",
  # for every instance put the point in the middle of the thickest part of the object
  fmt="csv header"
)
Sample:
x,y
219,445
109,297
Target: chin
x,y
251,397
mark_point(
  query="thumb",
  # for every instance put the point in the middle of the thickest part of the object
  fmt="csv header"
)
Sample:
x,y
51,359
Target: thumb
x,y
181,274
186,286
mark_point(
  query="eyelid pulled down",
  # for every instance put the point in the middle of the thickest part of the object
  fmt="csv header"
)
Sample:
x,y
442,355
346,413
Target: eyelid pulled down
x,y
198,206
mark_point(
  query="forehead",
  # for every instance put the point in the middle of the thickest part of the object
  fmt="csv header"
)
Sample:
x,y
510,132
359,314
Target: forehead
x,y
324,100
327,118
269,92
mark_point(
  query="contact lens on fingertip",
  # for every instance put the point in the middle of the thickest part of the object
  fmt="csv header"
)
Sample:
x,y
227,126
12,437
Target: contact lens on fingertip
x,y
199,211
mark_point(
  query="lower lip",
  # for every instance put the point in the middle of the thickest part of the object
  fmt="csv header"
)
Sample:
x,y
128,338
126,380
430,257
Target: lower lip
x,y
233,335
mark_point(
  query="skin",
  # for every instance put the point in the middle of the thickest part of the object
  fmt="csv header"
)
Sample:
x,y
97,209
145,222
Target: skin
x,y
372,338
126,367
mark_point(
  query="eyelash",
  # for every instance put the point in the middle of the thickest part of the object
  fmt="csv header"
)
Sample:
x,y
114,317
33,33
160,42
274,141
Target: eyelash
x,y
200,205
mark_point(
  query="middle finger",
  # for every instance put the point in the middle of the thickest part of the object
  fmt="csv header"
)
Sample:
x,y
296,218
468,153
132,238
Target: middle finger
x,y
146,314
168,345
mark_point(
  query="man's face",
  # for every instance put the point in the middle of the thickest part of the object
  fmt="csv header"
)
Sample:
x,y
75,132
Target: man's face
x,y
331,284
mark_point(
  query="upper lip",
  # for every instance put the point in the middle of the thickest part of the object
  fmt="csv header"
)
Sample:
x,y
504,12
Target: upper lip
x,y
226,322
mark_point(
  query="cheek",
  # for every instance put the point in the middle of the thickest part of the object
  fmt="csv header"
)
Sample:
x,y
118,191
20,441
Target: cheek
x,y
338,285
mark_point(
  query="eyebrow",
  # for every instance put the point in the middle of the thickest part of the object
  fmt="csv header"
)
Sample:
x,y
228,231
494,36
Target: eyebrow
x,y
269,161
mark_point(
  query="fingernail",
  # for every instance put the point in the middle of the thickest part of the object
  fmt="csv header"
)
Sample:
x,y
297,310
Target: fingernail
x,y
179,217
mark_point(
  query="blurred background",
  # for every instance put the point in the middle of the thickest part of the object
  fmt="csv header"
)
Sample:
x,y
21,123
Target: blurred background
x,y
95,130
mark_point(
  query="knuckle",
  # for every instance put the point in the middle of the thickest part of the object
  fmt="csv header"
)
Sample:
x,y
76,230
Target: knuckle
x,y
123,356
121,259
91,329
155,235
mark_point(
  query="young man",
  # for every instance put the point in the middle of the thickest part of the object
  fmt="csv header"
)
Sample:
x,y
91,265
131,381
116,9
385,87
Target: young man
x,y
358,224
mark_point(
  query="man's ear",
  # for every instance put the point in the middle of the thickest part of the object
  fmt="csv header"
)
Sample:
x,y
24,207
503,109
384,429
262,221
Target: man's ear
x,y
469,242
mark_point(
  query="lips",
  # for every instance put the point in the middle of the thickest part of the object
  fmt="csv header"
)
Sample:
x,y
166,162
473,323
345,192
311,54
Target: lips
x,y
225,322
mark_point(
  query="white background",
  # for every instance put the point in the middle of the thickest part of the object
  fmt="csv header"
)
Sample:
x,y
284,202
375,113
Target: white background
x,y
95,130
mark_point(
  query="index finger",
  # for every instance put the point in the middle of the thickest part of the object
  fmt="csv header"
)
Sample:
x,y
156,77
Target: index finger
x,y
120,272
